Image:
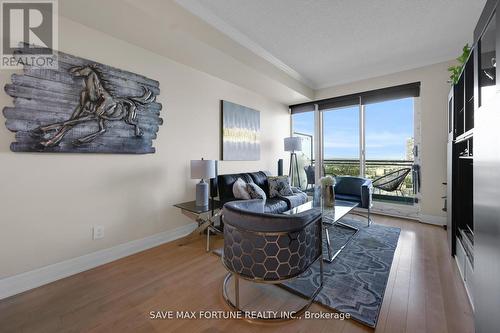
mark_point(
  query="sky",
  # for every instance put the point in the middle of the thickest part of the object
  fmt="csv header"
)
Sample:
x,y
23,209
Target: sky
x,y
388,126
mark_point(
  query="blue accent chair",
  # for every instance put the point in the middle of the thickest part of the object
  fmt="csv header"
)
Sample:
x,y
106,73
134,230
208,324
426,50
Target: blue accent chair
x,y
355,189
269,248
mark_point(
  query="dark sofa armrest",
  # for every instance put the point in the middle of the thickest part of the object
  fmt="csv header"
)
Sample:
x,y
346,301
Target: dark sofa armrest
x,y
366,194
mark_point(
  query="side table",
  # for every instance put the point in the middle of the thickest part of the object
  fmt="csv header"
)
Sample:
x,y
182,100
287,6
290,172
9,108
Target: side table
x,y
204,216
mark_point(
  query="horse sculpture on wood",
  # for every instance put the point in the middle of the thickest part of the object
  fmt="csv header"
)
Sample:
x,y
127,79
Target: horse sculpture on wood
x,y
96,104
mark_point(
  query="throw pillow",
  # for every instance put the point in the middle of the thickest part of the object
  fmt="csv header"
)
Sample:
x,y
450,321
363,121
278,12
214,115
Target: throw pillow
x,y
255,191
279,186
240,190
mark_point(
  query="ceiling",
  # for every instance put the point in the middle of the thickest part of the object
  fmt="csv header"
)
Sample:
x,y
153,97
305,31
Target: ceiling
x,y
169,30
324,43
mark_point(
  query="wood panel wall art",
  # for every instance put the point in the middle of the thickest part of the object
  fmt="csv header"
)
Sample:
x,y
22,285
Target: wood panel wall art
x,y
83,107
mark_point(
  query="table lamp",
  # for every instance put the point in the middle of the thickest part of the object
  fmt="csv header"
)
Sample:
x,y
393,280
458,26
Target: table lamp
x,y
293,144
202,169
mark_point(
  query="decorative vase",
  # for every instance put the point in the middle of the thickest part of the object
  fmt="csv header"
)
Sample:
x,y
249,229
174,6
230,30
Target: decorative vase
x,y
328,196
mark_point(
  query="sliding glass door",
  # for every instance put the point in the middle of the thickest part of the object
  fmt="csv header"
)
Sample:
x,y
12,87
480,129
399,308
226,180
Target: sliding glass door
x,y
390,140
341,141
373,139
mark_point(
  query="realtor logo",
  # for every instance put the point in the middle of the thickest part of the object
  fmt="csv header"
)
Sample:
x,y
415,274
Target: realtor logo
x,y
29,34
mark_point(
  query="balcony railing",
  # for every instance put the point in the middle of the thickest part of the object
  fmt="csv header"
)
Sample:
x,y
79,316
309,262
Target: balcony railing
x,y
375,169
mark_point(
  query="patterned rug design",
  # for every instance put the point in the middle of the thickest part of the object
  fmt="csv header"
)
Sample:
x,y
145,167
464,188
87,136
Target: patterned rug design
x,y
355,281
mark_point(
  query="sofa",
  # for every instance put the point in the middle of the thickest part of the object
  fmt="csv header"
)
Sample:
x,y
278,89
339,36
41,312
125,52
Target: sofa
x,y
276,205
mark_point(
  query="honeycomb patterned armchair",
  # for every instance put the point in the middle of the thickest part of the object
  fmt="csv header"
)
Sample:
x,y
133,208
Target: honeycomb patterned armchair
x,y
268,248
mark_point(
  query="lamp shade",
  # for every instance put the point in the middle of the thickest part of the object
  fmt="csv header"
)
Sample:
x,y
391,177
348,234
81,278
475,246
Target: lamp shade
x,y
202,169
293,143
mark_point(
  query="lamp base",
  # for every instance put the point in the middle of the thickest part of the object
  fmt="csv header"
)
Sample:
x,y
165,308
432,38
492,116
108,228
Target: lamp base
x,y
202,194
294,173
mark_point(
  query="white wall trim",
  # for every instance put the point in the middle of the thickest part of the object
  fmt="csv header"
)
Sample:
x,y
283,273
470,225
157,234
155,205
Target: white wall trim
x,y
394,209
408,213
19,283
432,219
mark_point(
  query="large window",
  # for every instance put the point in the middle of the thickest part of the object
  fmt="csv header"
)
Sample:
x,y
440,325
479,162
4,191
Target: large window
x,y
341,141
389,130
368,134
303,126
389,137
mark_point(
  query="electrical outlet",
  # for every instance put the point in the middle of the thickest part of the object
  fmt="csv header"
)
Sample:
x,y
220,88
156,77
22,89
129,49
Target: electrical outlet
x,y
97,232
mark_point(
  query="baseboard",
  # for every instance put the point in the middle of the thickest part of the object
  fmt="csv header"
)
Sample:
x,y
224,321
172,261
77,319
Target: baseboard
x,y
432,219
16,284
412,215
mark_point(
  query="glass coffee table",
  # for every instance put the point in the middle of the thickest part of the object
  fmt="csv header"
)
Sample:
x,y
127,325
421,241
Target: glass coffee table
x,y
331,216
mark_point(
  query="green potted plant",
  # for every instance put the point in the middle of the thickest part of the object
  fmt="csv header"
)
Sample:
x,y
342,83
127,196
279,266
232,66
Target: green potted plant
x,y
456,70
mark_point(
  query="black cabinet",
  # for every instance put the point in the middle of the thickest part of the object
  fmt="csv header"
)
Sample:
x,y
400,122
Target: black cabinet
x,y
462,121
460,159
486,62
460,180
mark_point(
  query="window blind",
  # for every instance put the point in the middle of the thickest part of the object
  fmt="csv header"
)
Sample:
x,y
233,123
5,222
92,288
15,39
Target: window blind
x,y
366,97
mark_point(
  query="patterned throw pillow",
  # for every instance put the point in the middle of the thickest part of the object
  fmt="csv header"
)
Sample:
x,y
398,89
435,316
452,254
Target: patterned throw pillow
x,y
255,191
240,190
279,186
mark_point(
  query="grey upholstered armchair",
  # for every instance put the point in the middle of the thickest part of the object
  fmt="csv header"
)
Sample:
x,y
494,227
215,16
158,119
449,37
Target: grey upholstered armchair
x,y
268,248
355,189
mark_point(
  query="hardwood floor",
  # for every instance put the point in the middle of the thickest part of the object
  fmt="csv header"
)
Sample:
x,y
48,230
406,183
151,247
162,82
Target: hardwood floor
x,y
424,293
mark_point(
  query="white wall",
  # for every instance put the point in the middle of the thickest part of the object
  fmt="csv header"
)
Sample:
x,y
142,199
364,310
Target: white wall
x,y
48,202
433,107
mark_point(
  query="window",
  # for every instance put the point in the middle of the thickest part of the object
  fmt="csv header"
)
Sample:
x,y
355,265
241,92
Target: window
x,y
303,126
341,141
389,137
369,134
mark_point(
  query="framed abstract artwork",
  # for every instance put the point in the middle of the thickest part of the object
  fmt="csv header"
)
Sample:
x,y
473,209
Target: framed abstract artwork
x,y
240,137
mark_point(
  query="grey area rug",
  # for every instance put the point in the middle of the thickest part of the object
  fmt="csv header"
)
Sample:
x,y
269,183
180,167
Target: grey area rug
x,y
355,281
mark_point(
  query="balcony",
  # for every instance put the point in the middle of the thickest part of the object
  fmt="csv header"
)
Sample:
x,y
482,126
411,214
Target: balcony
x,y
376,169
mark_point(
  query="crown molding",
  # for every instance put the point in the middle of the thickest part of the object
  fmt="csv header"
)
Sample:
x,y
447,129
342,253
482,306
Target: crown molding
x,y
209,17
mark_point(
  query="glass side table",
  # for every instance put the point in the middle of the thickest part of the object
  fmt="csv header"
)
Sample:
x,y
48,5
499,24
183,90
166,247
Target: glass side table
x,y
205,217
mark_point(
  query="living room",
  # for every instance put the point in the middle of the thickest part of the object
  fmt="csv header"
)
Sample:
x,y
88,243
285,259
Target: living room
x,y
210,166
